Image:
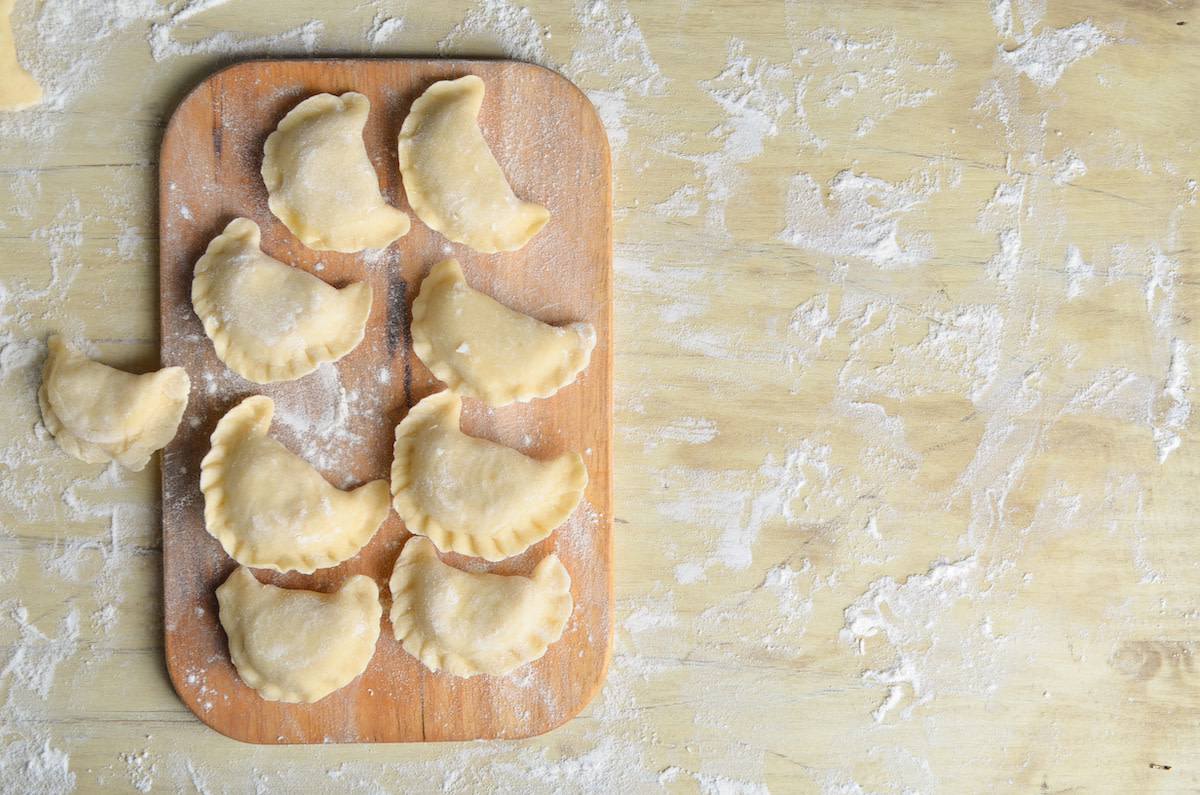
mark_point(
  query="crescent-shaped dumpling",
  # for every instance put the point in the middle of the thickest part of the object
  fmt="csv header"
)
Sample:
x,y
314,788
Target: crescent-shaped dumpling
x,y
481,348
320,181
293,645
270,509
476,623
98,413
269,321
18,89
475,496
453,182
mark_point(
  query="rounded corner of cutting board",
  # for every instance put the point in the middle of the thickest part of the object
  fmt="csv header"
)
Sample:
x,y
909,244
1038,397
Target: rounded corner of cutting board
x,y
196,94
584,102
587,696
207,717
587,693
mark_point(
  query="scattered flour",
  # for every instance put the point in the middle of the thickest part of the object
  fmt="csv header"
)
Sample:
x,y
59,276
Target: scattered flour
x,y
1044,57
913,640
33,767
691,430
612,63
914,617
859,216
498,22
851,81
738,512
384,30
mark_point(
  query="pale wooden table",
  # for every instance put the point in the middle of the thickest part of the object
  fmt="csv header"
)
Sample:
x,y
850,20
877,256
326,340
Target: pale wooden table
x,y
905,479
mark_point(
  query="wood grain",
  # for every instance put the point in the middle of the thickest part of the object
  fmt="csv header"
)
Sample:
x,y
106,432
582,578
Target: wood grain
x,y
551,145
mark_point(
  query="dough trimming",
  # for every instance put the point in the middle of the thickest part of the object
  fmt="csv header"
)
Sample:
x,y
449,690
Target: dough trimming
x,y
18,89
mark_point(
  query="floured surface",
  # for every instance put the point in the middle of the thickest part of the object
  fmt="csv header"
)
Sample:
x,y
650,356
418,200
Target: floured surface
x,y
904,391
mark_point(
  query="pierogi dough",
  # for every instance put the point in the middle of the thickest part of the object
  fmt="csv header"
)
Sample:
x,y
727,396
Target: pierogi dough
x,y
469,623
481,348
474,496
294,645
268,320
18,89
320,181
98,413
453,182
270,509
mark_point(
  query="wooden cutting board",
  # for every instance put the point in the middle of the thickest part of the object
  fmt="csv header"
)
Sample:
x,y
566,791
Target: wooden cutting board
x,y
550,143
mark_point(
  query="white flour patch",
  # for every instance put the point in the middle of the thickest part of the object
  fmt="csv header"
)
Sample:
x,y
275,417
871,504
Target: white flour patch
x,y
140,770
1168,423
28,487
683,203
166,42
651,614
792,590
321,421
915,618
1078,272
690,430
34,767
738,513
612,63
28,761
958,351
1071,169
35,656
100,559
815,331
754,94
385,29
1044,57
677,292
191,8
782,603
857,215
64,41
500,23
851,81
730,768
612,49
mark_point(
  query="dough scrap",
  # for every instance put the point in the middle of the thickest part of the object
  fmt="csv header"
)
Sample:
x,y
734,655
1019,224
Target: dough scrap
x,y
474,496
481,348
270,509
18,89
98,413
320,181
268,320
453,182
294,645
472,623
